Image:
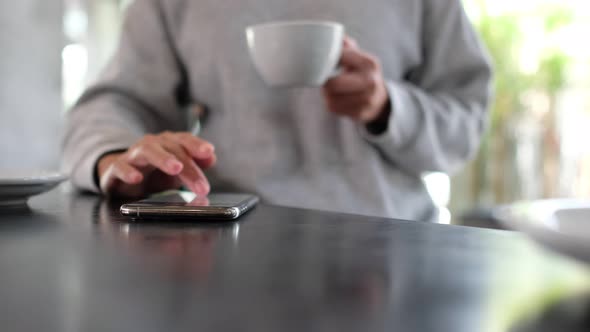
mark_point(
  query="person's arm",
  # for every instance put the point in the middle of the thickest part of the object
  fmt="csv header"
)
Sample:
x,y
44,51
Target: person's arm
x,y
438,116
135,95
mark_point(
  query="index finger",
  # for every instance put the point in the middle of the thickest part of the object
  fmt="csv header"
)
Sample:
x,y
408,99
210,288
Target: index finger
x,y
357,59
349,42
198,148
155,155
348,83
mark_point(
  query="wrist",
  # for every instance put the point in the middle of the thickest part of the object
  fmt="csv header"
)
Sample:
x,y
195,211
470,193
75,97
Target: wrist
x,y
380,124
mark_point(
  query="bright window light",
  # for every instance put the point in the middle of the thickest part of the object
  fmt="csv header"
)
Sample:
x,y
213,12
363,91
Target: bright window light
x,y
75,68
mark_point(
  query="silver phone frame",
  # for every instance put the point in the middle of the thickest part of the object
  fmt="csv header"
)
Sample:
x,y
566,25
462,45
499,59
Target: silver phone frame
x,y
139,210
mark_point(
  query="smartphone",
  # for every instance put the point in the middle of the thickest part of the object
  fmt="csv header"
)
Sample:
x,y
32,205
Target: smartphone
x,y
187,205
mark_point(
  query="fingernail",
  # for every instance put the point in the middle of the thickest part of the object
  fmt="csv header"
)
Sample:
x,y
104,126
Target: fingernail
x,y
135,177
205,149
203,187
174,165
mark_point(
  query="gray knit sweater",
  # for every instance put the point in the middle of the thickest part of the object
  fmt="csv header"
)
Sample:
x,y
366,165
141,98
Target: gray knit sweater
x,y
282,143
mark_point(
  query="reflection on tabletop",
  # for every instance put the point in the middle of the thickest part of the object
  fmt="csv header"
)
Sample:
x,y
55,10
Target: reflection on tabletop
x,y
22,219
570,314
192,249
188,247
278,268
529,282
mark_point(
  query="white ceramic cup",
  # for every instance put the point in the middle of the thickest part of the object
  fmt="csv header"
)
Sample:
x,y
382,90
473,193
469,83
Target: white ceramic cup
x,y
295,53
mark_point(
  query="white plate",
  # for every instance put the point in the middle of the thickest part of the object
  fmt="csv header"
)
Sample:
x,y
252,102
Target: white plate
x,y
560,224
17,187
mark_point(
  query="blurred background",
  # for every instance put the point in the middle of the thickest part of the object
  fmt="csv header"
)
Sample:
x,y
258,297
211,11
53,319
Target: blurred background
x,y
536,143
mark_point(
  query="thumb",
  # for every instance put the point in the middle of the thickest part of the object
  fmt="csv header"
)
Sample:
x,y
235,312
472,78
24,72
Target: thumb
x,y
350,42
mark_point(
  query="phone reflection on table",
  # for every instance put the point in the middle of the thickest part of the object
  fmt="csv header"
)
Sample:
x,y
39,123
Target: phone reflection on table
x,y
186,249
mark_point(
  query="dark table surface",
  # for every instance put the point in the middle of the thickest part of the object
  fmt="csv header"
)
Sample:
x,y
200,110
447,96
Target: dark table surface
x,y
71,263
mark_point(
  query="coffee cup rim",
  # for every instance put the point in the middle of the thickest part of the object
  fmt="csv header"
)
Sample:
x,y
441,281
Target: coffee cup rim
x,y
271,24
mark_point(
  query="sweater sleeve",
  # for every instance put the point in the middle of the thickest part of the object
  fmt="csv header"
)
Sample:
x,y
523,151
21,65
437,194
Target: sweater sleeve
x,y
439,113
135,95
